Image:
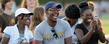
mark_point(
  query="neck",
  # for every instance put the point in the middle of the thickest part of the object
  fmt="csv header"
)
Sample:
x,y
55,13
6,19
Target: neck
x,y
86,23
72,22
7,11
51,23
21,27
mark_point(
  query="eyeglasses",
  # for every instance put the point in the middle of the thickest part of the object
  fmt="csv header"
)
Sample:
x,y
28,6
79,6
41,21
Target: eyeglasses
x,y
54,33
54,9
29,14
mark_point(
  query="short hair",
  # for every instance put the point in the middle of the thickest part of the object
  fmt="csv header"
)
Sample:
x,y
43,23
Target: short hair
x,y
83,6
72,11
3,2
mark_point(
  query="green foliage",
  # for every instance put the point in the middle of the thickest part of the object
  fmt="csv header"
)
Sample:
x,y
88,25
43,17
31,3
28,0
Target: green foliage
x,y
61,1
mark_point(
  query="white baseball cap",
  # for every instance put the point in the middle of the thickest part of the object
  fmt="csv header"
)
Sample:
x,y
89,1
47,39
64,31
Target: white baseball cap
x,y
21,10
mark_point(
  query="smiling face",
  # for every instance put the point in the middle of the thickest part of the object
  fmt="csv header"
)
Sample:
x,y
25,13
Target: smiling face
x,y
87,16
23,19
9,4
31,4
53,13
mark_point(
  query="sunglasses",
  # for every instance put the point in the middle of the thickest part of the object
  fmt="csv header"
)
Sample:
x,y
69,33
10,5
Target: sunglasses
x,y
23,14
54,33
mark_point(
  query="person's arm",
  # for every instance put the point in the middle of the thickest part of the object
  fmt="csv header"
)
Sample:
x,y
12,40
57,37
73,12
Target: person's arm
x,y
83,39
101,34
68,40
6,35
102,37
1,32
38,42
5,39
68,34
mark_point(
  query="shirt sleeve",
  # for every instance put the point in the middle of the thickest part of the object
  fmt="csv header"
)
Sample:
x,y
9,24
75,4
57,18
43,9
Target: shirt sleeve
x,y
6,35
68,31
79,26
31,36
38,35
6,32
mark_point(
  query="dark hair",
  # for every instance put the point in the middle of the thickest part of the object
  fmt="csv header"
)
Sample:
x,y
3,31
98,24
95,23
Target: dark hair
x,y
4,2
72,11
83,6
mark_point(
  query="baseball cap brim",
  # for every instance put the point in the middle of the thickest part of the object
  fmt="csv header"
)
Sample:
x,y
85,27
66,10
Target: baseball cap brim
x,y
22,10
53,5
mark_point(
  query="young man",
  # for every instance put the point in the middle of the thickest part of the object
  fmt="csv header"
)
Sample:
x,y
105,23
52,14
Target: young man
x,y
53,30
72,14
19,33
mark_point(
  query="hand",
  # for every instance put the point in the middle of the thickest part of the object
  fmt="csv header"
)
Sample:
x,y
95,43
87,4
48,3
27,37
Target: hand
x,y
93,25
24,42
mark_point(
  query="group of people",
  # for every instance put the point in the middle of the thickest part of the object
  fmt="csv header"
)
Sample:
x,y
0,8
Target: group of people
x,y
42,25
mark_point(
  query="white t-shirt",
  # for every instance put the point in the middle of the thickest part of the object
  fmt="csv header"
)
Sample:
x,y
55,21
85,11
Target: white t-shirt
x,y
74,37
43,32
14,35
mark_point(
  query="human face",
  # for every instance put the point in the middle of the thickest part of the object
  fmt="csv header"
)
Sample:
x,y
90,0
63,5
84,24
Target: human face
x,y
53,13
24,19
31,4
87,16
9,5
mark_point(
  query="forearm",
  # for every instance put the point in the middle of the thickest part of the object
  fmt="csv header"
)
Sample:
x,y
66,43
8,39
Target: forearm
x,y
85,38
102,37
1,35
38,42
4,40
68,40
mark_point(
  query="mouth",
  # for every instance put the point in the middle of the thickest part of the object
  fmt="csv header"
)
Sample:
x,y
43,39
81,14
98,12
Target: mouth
x,y
55,16
89,20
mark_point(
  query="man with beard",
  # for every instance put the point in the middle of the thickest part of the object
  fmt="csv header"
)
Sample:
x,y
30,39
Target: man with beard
x,y
53,30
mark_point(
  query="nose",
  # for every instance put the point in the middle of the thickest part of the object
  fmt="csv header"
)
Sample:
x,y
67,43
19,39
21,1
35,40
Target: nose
x,y
57,12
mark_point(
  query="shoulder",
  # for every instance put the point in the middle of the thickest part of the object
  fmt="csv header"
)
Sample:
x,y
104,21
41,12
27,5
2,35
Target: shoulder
x,y
80,26
62,21
41,25
9,29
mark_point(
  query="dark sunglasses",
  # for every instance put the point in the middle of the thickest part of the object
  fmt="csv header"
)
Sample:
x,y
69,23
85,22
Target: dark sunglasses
x,y
54,33
23,14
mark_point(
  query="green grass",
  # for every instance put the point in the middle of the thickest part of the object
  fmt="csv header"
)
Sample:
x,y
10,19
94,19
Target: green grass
x,y
105,23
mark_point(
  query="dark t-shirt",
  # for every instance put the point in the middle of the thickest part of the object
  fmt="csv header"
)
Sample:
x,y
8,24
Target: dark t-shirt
x,y
95,37
5,19
3,22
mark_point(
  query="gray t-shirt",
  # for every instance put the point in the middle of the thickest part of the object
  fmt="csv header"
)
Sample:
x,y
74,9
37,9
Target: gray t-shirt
x,y
43,32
